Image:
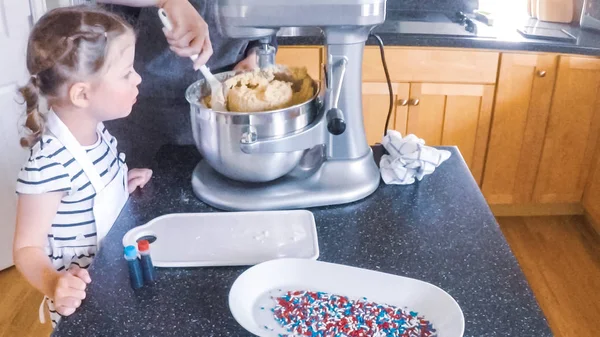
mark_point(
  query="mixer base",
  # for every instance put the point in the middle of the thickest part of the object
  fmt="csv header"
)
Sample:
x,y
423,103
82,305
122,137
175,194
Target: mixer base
x,y
335,182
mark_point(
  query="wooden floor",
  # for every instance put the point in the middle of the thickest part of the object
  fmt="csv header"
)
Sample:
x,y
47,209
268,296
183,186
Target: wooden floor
x,y
19,304
560,257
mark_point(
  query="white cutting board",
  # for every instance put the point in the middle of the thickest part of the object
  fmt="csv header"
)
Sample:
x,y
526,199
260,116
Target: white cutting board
x,y
228,238
250,295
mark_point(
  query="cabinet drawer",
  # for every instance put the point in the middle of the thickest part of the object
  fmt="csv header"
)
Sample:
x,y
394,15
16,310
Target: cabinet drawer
x,y
431,65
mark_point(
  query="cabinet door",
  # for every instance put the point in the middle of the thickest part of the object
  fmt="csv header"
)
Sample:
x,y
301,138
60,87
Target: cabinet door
x,y
301,56
591,198
376,102
523,96
453,114
572,132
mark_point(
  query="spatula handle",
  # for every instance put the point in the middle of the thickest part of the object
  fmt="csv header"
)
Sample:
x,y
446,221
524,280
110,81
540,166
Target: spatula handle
x,y
164,18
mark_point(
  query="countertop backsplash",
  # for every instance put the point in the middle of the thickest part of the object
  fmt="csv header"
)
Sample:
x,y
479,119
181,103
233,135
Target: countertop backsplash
x,y
439,5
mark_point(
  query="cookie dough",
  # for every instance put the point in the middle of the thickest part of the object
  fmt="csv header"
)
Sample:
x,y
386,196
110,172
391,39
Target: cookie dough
x,y
273,88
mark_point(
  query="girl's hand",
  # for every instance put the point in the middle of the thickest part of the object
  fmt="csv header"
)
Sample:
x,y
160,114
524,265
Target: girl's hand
x,y
70,290
249,63
138,178
190,32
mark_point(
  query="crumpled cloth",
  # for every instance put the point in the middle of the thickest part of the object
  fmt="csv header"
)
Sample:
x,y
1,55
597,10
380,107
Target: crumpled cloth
x,y
409,159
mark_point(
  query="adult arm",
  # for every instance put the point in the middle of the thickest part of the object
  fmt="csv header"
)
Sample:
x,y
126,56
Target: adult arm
x,y
134,3
190,32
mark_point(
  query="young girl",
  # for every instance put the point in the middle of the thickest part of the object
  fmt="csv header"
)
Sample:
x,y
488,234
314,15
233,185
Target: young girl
x,y
74,184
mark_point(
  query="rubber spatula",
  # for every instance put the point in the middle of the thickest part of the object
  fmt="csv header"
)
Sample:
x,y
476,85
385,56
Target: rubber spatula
x,y
217,101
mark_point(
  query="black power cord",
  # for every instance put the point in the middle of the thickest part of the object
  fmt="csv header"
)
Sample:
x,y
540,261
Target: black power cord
x,y
389,82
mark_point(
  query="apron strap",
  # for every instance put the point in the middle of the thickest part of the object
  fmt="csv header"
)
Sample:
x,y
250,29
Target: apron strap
x,y
113,149
42,312
60,130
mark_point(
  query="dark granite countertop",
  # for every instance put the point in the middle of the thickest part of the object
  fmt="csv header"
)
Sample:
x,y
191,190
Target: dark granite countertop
x,y
502,36
439,230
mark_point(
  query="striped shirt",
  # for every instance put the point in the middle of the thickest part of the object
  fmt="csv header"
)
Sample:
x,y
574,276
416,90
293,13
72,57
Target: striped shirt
x,y
52,168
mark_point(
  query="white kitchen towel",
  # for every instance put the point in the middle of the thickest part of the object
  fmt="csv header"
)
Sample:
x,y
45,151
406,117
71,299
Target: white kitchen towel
x,y
408,159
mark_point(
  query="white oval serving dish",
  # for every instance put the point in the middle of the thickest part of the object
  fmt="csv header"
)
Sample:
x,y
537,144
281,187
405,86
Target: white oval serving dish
x,y
250,296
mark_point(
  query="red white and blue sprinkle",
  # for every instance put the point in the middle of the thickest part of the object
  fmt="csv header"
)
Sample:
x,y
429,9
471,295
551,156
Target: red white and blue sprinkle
x,y
319,314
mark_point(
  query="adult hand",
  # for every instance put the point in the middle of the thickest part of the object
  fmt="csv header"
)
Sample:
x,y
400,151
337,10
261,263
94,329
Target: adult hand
x,y
190,32
249,63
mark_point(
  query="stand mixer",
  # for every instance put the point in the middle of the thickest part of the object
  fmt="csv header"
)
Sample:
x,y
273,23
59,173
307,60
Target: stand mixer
x,y
320,147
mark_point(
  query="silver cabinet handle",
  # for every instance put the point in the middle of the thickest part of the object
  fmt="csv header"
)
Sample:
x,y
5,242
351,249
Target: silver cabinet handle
x,y
541,73
414,101
403,102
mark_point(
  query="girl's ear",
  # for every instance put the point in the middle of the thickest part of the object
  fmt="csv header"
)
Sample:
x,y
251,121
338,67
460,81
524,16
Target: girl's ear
x,y
79,94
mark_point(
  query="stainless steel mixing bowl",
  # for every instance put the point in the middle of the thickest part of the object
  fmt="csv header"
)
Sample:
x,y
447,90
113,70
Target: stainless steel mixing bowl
x,y
218,135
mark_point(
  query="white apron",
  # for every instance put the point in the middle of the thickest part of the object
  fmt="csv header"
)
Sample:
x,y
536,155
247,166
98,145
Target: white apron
x,y
109,199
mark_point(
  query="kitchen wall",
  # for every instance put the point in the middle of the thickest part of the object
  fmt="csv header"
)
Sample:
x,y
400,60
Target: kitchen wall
x,y
440,5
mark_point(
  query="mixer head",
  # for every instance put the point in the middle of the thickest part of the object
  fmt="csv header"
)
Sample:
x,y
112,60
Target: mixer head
x,y
255,19
343,21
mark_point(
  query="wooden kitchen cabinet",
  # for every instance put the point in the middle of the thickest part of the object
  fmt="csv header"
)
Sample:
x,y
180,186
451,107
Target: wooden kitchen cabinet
x,y
591,198
440,113
431,65
527,124
452,114
442,96
572,132
544,130
376,106
301,56
523,98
